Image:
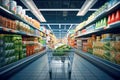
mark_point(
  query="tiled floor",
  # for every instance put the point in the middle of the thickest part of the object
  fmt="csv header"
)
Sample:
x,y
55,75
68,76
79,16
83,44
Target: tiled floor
x,y
81,70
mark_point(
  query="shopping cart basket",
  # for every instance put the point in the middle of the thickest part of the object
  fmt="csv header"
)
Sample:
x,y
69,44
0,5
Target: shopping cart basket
x,y
69,55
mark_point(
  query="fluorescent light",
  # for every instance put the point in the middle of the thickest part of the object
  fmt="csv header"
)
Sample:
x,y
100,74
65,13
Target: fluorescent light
x,y
59,29
59,26
31,5
59,32
50,28
70,27
61,9
65,27
59,23
86,6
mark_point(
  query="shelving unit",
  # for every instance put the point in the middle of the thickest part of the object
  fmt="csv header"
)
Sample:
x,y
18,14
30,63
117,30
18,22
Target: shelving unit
x,y
102,30
111,68
17,32
28,34
16,66
103,38
103,14
12,16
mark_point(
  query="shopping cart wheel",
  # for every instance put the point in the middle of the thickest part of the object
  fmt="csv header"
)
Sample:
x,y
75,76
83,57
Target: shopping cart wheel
x,y
69,75
50,73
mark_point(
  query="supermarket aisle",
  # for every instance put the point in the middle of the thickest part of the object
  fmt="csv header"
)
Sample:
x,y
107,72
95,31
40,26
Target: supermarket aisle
x,y
82,70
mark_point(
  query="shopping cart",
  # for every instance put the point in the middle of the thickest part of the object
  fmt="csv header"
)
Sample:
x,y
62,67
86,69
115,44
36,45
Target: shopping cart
x,y
69,57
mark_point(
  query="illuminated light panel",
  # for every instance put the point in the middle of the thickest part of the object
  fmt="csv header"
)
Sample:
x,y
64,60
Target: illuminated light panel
x,y
86,6
31,5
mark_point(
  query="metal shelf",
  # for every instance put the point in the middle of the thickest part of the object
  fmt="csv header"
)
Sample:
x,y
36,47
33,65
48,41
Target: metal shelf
x,y
111,68
16,32
12,16
103,14
16,66
102,30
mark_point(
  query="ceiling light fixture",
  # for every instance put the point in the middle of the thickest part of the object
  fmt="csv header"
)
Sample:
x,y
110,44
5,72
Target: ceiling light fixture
x,y
59,26
86,6
50,28
61,9
70,28
33,8
59,23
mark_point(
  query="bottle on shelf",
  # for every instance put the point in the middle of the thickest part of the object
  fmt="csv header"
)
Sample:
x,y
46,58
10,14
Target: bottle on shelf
x,y
113,18
5,4
117,17
109,19
13,6
105,22
101,24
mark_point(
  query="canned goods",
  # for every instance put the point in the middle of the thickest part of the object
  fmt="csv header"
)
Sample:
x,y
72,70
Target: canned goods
x,y
13,6
5,4
19,10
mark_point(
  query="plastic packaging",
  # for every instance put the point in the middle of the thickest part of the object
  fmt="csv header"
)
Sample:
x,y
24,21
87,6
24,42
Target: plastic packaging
x,y
117,17
113,18
19,10
13,6
23,13
5,4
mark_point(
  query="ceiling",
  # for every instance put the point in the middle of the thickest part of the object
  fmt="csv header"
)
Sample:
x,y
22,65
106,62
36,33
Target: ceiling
x,y
57,19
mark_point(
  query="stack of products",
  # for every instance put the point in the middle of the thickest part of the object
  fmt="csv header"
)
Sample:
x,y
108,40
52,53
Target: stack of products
x,y
114,17
29,42
12,6
18,46
101,9
111,18
106,46
17,25
112,3
4,22
84,45
24,27
90,44
79,44
83,31
72,41
24,49
10,48
101,24
90,28
32,45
